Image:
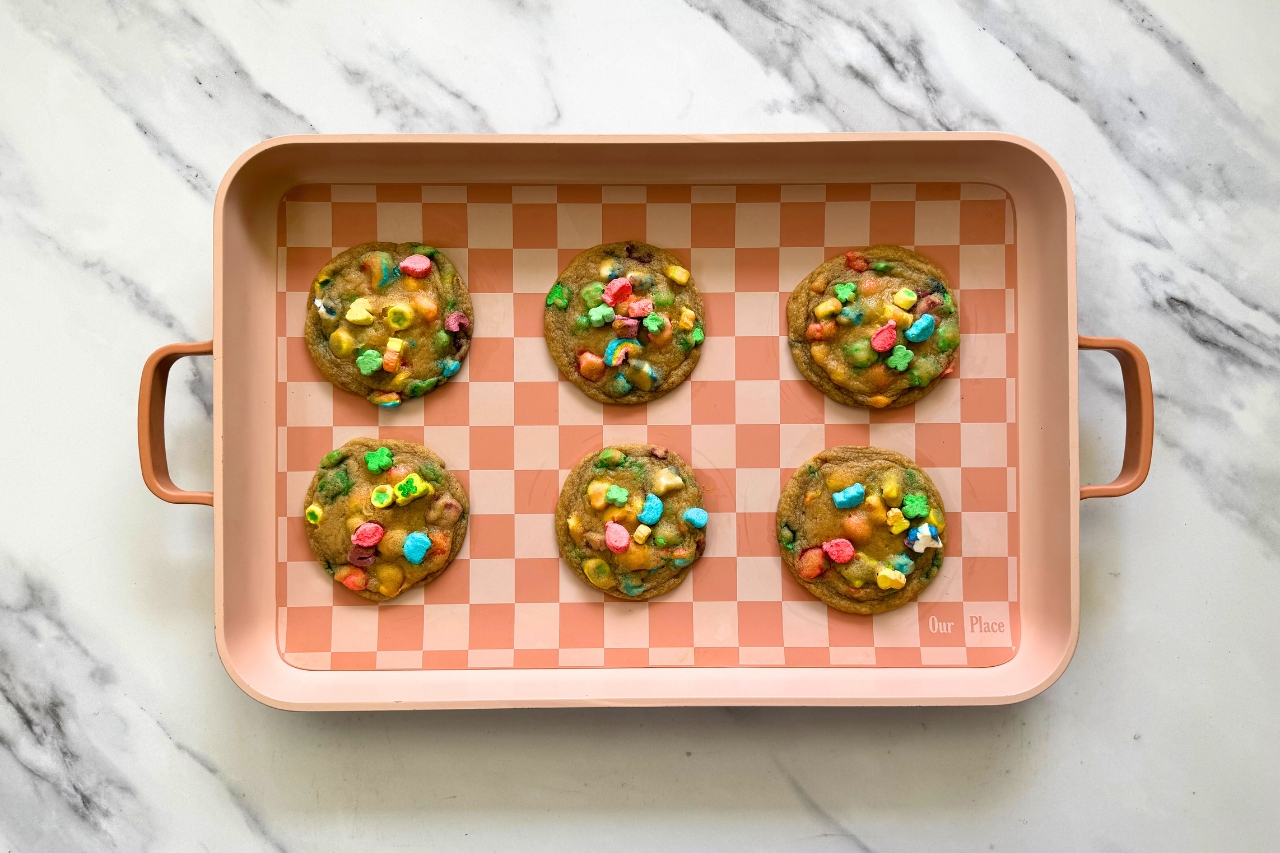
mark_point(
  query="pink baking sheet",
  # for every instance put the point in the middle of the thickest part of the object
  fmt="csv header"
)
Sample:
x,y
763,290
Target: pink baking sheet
x,y
510,428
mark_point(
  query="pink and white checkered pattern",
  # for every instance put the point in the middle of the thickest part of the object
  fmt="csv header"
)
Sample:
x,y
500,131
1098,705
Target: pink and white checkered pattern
x,y
510,428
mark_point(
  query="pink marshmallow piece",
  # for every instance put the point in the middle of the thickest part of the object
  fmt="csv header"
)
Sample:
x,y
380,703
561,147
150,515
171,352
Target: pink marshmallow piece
x,y
640,308
616,291
416,266
616,537
456,322
839,550
625,327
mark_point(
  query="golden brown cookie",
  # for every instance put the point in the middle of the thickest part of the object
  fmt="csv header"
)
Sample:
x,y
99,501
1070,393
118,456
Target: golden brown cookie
x,y
875,328
862,528
389,321
630,520
384,516
624,322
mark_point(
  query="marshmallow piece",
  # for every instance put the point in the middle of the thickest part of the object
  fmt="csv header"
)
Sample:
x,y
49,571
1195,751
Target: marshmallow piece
x,y
616,537
665,481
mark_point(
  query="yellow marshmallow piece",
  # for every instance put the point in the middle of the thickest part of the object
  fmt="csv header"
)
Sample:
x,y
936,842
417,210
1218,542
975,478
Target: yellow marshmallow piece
x,y
576,531
897,522
665,481
875,506
599,573
905,298
395,344
642,533
678,274
382,496
624,515
314,513
937,519
359,312
390,577
688,319
892,492
596,492
341,343
411,488
399,316
891,579
839,480
827,309
635,559
899,316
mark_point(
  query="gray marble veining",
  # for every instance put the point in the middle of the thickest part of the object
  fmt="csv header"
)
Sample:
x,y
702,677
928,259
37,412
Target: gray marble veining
x,y
120,731
1174,251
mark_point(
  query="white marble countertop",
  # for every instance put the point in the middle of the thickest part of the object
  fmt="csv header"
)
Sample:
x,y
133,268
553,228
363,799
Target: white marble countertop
x,y
119,728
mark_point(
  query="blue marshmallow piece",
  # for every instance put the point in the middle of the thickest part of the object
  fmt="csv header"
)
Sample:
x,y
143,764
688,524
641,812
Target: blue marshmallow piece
x,y
697,516
449,367
902,563
921,329
850,497
652,510
416,546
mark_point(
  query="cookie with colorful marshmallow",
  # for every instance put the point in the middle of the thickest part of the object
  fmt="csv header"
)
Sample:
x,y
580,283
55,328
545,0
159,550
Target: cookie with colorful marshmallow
x,y
876,328
625,322
389,321
384,516
630,520
862,528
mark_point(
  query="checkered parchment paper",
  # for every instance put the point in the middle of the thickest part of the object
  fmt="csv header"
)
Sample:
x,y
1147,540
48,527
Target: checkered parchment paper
x,y
510,428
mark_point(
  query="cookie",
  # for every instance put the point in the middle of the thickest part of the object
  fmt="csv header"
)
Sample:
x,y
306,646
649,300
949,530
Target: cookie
x,y
389,321
875,328
862,528
384,516
630,520
624,322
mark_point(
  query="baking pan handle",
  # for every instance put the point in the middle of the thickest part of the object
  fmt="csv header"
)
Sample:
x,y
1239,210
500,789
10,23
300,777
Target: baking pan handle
x,y
151,451
1140,417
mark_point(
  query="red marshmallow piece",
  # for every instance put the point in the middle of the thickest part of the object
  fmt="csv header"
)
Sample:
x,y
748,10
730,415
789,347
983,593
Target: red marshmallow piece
x,y
856,262
640,308
457,321
839,550
367,535
616,291
885,337
416,266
